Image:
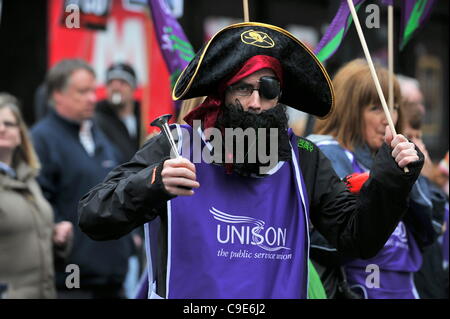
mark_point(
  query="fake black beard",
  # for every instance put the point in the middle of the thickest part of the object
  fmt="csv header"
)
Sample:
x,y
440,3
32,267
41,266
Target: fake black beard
x,y
233,116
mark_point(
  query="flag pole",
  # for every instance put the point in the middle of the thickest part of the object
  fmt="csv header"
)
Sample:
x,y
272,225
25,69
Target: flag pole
x,y
372,70
246,13
391,55
1,6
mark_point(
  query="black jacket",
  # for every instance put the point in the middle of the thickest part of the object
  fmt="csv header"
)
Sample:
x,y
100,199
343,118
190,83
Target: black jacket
x,y
116,131
358,226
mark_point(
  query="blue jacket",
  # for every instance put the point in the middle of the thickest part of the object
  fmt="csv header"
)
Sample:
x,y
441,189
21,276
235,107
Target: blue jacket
x,y
68,172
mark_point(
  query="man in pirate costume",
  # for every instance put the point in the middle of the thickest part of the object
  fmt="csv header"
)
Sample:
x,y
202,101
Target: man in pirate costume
x,y
229,229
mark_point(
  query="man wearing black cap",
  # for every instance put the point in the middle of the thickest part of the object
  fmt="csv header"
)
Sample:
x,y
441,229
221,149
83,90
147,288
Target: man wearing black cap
x,y
235,227
118,116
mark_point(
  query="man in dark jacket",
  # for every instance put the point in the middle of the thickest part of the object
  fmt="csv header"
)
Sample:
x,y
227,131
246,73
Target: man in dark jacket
x,y
235,224
76,156
119,116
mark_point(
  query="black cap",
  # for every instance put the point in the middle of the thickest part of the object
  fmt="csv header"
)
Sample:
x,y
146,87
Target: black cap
x,y
122,71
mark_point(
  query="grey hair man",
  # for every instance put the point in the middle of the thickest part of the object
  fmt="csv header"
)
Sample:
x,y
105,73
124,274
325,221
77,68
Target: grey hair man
x,y
75,156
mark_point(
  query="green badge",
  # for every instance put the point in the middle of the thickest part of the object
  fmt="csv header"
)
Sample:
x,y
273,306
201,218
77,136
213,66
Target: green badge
x,y
305,145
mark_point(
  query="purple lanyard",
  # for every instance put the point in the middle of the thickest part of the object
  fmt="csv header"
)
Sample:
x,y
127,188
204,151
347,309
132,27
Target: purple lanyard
x,y
355,165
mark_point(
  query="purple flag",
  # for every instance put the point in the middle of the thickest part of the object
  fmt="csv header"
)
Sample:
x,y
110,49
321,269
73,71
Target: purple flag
x,y
387,2
332,39
414,15
175,47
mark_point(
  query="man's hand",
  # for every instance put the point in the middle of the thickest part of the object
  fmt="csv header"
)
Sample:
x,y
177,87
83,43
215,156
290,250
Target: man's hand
x,y
62,233
403,152
179,172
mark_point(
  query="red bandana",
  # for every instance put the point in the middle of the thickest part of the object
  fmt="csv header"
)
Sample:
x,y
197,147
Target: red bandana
x,y
209,110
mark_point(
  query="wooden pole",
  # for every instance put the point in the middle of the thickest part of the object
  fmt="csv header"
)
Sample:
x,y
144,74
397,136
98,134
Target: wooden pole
x,y
391,56
246,12
372,70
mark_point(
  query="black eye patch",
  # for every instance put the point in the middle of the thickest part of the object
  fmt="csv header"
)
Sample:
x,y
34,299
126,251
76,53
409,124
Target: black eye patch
x,y
269,87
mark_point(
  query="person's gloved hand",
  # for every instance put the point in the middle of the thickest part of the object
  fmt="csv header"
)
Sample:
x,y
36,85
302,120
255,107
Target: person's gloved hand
x,y
355,181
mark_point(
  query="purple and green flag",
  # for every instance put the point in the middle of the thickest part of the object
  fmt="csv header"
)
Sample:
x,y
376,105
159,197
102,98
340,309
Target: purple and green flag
x,y
175,47
414,15
334,36
387,2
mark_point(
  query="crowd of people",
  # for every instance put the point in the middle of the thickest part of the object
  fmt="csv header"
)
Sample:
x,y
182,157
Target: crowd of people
x,y
352,211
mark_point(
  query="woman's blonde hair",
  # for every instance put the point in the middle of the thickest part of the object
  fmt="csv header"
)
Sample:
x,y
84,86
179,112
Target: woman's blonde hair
x,y
354,91
25,151
187,106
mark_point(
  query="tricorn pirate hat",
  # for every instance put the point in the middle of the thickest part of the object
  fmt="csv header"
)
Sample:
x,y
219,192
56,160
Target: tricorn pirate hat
x,y
306,84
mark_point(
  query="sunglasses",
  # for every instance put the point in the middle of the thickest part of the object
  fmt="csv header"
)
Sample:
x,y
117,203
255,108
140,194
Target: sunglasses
x,y
269,88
